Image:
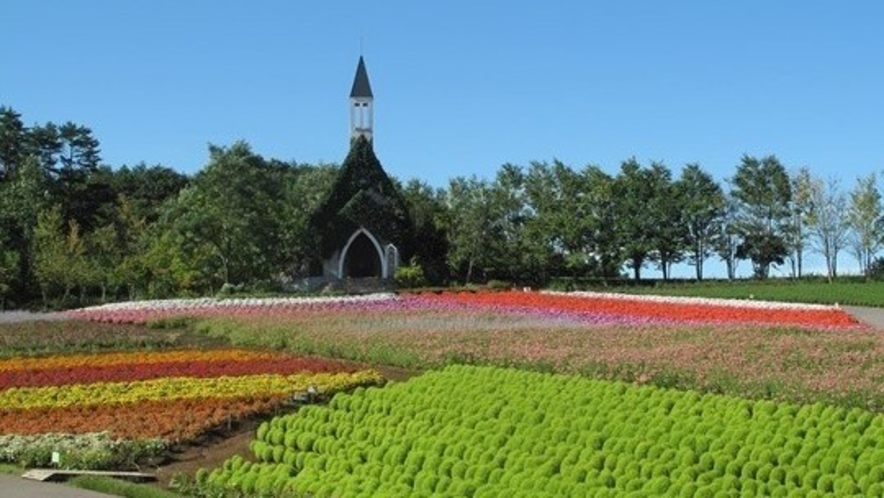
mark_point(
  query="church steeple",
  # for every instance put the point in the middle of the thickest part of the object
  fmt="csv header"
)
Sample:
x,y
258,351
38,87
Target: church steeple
x,y
361,105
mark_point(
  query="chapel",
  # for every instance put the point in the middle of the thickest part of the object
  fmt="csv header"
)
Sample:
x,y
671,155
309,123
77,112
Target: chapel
x,y
364,226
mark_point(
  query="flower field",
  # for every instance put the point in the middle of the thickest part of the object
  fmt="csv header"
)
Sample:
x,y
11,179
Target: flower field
x,y
473,431
583,307
769,398
168,396
809,353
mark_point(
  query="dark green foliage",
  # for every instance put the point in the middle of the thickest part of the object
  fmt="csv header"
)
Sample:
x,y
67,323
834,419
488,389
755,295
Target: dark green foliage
x,y
363,196
429,213
703,207
764,193
410,276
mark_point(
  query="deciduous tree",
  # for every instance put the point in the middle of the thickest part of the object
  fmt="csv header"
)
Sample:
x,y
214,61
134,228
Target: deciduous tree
x,y
764,193
864,216
703,208
828,222
634,186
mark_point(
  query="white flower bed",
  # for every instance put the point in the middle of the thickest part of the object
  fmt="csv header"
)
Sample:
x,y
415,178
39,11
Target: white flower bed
x,y
216,303
707,301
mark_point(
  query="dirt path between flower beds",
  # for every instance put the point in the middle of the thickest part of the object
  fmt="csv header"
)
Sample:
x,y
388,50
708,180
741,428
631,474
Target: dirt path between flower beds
x,y
873,317
214,449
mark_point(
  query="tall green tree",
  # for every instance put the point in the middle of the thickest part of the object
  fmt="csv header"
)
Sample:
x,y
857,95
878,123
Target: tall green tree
x,y
602,234
555,227
514,259
305,188
471,230
726,238
670,234
14,142
70,157
637,225
233,208
59,255
764,193
21,198
866,220
132,233
146,188
702,207
430,215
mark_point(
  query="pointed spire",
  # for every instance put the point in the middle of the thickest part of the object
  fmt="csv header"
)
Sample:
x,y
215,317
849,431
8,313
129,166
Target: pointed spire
x,y
361,86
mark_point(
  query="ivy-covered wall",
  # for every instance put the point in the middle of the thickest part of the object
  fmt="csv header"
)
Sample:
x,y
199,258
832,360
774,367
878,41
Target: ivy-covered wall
x,y
363,196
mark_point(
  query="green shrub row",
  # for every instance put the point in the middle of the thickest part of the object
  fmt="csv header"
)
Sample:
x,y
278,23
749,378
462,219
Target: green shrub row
x,y
482,431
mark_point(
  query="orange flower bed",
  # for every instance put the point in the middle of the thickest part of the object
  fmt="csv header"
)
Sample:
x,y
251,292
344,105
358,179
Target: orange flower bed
x,y
177,420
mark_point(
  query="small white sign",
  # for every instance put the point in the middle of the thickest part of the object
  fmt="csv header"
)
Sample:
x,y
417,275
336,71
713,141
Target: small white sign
x,y
56,457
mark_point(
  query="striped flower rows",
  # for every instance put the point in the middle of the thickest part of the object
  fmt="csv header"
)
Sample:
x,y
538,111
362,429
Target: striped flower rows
x,y
587,308
659,309
92,368
173,395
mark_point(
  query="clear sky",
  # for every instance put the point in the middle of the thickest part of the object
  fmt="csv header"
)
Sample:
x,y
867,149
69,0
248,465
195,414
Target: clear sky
x,y
460,87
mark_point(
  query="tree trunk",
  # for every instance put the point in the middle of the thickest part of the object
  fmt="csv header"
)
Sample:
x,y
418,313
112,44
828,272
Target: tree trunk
x,y
827,253
469,271
698,259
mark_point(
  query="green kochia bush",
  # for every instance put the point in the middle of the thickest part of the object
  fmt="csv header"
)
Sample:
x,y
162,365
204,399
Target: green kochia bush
x,y
480,431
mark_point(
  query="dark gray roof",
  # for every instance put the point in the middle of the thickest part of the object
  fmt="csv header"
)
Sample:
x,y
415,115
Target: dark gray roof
x,y
361,86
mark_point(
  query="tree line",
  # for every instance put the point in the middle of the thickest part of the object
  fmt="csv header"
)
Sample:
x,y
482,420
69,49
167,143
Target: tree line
x,y
75,229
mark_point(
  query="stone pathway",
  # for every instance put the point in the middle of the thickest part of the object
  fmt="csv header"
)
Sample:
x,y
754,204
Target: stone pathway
x,y
871,316
17,487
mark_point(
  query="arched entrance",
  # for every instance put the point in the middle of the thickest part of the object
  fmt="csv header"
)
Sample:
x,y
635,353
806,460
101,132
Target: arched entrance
x,y
362,257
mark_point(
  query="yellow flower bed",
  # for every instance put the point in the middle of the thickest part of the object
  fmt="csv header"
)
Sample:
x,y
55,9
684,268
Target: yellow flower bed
x,y
179,388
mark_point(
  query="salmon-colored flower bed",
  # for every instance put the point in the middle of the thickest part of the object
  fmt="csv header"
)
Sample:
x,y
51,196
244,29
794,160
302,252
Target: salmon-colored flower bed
x,y
175,420
654,309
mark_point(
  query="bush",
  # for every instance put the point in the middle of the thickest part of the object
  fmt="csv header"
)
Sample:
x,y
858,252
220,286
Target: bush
x,y
410,276
499,285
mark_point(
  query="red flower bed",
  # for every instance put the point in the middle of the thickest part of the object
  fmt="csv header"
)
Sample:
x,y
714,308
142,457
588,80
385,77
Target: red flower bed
x,y
85,374
664,311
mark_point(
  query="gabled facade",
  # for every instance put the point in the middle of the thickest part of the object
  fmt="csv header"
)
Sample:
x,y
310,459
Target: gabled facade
x,y
363,225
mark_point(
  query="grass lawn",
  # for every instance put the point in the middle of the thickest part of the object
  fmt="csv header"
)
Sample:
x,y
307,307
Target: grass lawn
x,y
849,293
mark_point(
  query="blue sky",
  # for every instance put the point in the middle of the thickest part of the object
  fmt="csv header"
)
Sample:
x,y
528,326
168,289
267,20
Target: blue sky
x,y
460,87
